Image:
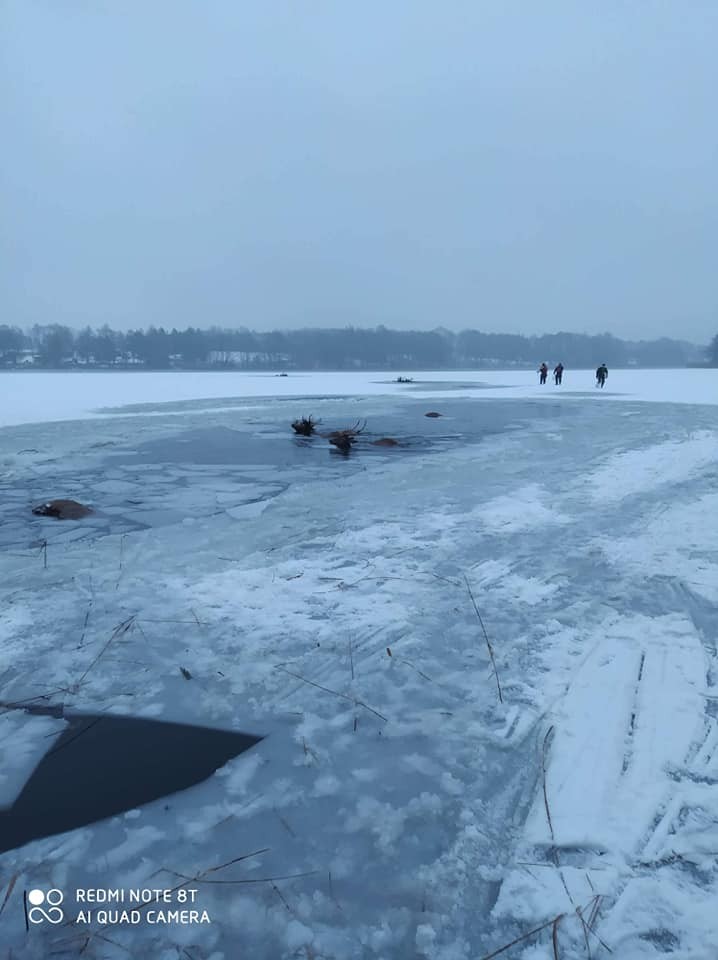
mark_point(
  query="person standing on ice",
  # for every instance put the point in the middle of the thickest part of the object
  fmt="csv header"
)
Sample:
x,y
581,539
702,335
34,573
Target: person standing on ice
x,y
543,372
558,374
601,375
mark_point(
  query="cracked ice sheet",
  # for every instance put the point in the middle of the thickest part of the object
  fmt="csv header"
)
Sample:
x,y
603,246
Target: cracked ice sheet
x,y
420,819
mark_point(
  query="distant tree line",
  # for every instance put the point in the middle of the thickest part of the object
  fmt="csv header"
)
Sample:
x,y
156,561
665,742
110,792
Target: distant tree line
x,y
350,348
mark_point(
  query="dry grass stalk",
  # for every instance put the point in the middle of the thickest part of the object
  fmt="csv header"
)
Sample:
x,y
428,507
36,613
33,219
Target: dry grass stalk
x,y
331,893
84,626
336,693
283,899
413,666
200,623
10,888
522,938
585,932
553,923
120,570
199,879
554,937
593,916
486,637
120,630
543,779
554,849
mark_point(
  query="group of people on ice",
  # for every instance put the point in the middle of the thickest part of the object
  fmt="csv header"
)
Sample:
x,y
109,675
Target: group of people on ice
x,y
557,373
601,374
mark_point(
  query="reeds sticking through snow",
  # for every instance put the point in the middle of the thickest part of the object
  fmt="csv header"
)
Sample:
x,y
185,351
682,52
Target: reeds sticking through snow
x,y
486,637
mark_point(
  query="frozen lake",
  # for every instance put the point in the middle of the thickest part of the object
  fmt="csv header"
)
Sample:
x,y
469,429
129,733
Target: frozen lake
x,y
39,396
396,807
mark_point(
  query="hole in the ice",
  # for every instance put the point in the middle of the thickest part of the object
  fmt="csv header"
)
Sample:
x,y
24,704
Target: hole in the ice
x,y
104,765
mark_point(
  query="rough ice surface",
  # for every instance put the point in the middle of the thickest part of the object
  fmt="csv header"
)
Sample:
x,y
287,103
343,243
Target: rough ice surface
x,y
396,808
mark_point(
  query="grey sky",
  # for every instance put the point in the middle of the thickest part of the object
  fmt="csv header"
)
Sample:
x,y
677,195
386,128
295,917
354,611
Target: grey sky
x,y
523,167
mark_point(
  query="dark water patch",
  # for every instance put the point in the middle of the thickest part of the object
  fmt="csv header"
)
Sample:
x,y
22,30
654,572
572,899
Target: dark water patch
x,y
267,443
103,765
446,385
272,443
222,446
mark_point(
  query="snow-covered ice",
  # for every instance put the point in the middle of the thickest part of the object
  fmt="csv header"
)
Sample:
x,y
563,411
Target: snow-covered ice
x,y
41,396
396,808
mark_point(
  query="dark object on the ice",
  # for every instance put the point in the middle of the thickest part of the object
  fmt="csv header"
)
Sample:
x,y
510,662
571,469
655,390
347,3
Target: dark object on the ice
x,y
404,380
304,427
185,673
386,442
601,374
343,440
432,413
543,372
101,766
62,510
281,374
558,374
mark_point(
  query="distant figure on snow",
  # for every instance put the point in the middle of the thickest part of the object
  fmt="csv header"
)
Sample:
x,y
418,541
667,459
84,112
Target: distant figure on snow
x,y
543,372
601,375
558,374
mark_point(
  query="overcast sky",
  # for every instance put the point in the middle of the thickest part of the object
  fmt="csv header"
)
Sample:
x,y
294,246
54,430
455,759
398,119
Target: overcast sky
x,y
511,166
